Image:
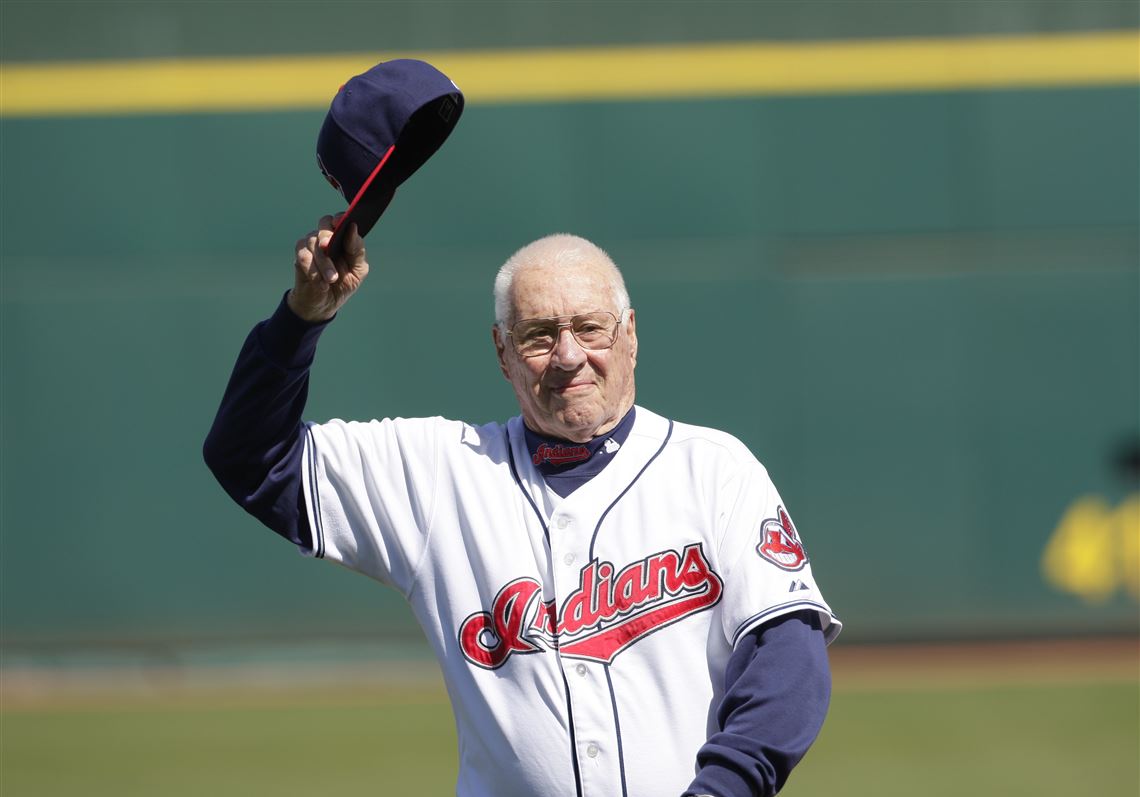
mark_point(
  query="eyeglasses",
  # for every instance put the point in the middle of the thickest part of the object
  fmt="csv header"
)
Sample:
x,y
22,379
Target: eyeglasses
x,y
536,336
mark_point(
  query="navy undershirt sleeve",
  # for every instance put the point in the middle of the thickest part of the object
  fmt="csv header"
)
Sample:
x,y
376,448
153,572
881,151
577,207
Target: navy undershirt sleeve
x,y
256,443
778,686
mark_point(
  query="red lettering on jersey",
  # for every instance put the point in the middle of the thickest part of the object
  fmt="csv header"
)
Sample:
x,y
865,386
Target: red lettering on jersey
x,y
559,454
546,620
632,589
601,618
488,638
780,542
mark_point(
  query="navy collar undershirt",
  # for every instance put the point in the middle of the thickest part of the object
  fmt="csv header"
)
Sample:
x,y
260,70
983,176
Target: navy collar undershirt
x,y
566,466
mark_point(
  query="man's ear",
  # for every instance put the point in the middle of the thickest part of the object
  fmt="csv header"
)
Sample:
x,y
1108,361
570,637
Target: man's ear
x,y
500,350
632,324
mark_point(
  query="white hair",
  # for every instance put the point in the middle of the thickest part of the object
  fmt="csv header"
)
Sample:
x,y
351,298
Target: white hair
x,y
555,252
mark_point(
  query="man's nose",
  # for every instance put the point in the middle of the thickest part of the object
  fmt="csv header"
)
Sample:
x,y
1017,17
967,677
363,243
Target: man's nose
x,y
567,352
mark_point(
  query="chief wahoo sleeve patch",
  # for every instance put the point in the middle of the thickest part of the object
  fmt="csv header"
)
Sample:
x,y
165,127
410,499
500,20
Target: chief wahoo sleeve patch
x,y
780,542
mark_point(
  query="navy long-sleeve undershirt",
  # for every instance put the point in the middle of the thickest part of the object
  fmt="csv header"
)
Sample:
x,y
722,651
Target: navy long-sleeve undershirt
x,y
257,441
777,682
778,686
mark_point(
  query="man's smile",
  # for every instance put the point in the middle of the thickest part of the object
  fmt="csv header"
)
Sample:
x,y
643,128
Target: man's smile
x,y
572,388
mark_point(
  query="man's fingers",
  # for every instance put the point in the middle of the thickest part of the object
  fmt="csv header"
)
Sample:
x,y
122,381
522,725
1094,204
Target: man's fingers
x,y
317,262
355,259
303,256
322,285
311,260
353,245
311,257
324,263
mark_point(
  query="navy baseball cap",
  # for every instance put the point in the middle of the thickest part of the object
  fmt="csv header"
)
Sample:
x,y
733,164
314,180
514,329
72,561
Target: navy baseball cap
x,y
381,127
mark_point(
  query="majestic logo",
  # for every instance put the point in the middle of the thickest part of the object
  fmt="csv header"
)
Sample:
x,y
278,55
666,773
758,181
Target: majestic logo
x,y
608,612
780,542
560,454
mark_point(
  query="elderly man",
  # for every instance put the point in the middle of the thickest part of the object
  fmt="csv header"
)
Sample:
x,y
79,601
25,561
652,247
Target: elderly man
x,y
620,603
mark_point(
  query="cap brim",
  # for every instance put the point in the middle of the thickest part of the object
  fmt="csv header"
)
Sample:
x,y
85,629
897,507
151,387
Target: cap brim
x,y
364,214
366,207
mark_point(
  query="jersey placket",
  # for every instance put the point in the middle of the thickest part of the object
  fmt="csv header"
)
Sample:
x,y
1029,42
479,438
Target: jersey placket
x,y
595,735
571,525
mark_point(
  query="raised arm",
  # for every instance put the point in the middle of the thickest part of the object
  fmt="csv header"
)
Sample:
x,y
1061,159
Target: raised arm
x,y
255,445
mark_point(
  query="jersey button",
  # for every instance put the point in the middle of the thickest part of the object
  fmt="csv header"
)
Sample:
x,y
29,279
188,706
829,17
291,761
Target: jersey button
x,y
592,751
562,522
568,558
580,669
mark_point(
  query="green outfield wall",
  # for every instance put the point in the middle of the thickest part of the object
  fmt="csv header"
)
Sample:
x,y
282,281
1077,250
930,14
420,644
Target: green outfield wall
x,y
920,309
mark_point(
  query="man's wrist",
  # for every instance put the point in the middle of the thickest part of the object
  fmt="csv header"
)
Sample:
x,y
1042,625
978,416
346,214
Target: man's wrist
x,y
287,340
303,313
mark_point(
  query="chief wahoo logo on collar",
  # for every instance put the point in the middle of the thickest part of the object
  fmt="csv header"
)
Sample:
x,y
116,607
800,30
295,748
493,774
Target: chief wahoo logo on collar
x,y
780,542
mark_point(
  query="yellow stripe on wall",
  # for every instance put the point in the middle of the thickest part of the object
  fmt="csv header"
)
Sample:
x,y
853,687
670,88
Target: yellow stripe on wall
x,y
584,73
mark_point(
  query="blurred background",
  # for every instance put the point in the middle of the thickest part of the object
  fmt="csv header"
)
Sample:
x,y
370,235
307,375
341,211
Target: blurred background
x,y
892,246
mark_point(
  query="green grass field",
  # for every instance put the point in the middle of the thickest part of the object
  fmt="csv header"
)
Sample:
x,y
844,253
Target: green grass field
x,y
1067,739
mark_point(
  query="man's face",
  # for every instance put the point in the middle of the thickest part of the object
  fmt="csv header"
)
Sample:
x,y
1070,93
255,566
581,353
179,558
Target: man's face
x,y
571,392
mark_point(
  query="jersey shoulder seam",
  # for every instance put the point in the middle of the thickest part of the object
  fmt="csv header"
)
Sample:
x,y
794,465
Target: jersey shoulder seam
x,y
686,433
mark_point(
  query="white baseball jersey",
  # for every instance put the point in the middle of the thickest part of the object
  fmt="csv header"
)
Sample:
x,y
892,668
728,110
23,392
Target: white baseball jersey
x,y
583,640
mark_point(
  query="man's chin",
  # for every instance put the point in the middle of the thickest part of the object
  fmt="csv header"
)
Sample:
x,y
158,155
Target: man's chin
x,y
580,426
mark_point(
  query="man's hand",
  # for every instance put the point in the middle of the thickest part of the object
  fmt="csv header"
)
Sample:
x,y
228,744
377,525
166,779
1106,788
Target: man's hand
x,y
321,285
